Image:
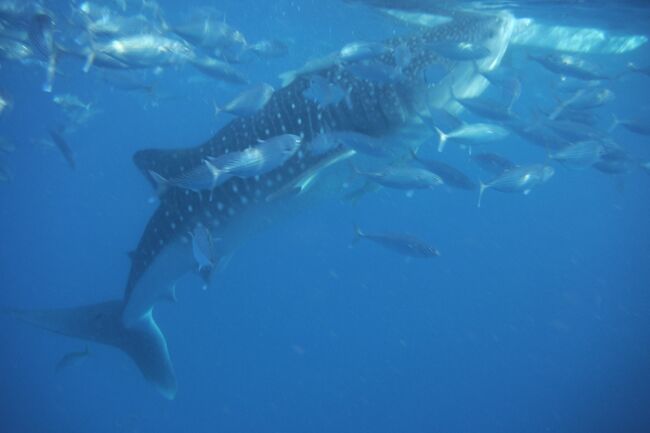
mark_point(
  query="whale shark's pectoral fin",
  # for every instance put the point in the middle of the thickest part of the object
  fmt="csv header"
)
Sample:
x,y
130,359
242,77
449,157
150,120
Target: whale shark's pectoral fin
x,y
158,282
102,323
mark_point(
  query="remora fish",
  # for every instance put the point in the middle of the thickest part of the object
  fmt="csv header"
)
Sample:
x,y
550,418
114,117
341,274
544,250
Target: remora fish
x,y
241,206
404,244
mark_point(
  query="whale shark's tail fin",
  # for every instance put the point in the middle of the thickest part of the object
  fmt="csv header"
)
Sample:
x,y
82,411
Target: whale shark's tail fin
x,y
102,323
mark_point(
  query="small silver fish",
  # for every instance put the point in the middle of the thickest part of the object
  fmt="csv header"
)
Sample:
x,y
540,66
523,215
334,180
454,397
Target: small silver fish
x,y
204,252
257,160
71,102
248,102
218,69
269,48
404,244
64,148
569,65
207,29
41,35
357,51
633,67
614,161
580,155
518,180
407,178
493,163
312,66
584,99
487,108
146,50
575,131
637,126
471,134
204,177
451,176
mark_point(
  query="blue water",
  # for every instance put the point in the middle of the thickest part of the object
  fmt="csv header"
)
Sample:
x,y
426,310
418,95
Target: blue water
x,y
535,318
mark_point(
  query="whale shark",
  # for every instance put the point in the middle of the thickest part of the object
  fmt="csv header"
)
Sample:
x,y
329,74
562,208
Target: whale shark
x,y
238,207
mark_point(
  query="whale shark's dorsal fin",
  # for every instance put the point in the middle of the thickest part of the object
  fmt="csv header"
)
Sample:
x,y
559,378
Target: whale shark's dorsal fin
x,y
102,323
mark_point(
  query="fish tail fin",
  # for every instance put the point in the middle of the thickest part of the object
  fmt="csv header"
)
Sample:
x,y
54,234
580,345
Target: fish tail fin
x,y
102,323
358,234
217,109
482,188
216,172
162,184
90,59
162,22
414,153
442,139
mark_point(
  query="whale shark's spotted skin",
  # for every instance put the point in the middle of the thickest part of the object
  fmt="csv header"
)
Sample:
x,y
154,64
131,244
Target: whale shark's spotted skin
x,y
373,109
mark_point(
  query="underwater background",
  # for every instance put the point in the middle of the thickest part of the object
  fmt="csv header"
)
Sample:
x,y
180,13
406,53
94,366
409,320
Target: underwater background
x,y
535,317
